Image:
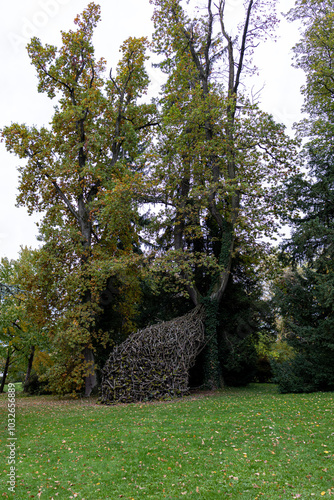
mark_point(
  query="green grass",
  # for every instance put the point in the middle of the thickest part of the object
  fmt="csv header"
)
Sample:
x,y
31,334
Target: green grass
x,y
248,443
18,387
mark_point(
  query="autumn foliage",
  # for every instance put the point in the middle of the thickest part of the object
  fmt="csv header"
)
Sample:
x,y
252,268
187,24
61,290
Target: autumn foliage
x,y
172,192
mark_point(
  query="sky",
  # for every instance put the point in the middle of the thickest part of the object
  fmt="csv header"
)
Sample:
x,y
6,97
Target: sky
x,y
20,102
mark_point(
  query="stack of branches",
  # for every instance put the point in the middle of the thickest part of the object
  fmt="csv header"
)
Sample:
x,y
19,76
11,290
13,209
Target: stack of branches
x,y
154,363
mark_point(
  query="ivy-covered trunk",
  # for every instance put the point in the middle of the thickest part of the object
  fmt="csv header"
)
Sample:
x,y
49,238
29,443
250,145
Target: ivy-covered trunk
x,y
212,369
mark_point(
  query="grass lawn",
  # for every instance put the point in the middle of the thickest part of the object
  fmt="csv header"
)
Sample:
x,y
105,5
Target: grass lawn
x,y
248,443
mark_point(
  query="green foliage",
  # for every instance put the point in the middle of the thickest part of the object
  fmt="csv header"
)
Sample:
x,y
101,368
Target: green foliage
x,y
305,292
299,374
314,54
246,333
246,320
25,313
239,360
35,386
211,364
17,368
308,324
83,174
217,158
265,343
159,304
211,170
281,351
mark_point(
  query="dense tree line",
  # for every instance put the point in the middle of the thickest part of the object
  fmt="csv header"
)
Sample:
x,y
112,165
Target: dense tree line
x,y
305,292
151,208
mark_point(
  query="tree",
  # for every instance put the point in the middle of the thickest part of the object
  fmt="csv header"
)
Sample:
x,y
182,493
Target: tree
x,y
26,311
217,157
14,330
314,54
83,174
35,277
305,293
245,320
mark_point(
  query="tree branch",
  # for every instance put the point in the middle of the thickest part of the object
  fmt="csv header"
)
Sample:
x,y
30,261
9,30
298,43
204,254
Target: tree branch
x,y
53,78
59,191
243,47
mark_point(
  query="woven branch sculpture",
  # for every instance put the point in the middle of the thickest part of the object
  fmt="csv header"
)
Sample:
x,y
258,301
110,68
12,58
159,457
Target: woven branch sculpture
x,y
154,363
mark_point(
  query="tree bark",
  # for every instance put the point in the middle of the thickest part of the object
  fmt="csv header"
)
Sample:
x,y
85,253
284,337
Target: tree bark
x,y
90,378
5,372
29,368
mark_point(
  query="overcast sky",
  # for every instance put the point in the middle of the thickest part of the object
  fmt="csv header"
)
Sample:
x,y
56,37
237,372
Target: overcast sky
x,y
20,101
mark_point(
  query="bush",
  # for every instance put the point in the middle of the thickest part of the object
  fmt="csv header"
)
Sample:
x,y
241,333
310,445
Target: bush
x,y
36,386
14,377
300,374
238,360
264,372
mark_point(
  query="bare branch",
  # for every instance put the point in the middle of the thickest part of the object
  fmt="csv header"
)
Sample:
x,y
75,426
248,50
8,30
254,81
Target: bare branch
x,y
243,47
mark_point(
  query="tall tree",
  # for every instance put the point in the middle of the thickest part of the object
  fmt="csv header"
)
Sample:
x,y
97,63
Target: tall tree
x,y
35,278
305,294
7,319
16,331
218,155
82,174
26,314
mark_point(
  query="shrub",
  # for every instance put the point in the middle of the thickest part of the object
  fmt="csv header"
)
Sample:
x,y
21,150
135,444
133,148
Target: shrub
x,y
35,386
300,374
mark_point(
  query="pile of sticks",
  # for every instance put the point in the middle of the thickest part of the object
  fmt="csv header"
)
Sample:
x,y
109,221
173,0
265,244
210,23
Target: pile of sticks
x,y
154,363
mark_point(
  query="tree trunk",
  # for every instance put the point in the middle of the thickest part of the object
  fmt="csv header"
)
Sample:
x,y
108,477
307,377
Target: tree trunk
x,y
212,370
86,231
5,372
29,368
90,378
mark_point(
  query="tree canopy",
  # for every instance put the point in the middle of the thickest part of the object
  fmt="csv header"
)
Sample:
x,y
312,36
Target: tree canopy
x,y
180,196
305,292
218,157
82,175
